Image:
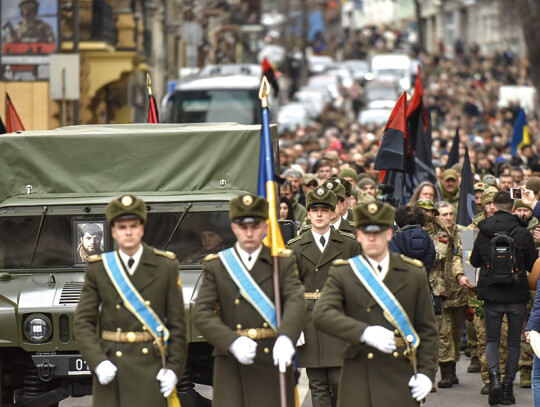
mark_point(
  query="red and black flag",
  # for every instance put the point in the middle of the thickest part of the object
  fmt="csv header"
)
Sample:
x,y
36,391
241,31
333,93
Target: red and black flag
x,y
153,116
453,156
268,71
419,131
395,152
467,203
3,129
13,121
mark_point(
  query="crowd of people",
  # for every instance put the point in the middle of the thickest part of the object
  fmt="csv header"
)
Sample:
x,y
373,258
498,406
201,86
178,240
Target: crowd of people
x,y
458,94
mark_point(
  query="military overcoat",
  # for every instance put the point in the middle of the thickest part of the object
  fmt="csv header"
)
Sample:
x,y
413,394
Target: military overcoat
x,y
156,279
320,349
370,378
220,310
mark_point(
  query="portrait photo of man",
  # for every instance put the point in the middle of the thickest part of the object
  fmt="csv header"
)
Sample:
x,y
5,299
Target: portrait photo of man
x,y
29,27
89,241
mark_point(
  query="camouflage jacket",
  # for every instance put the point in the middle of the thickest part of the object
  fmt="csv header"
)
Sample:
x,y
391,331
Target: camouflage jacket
x,y
444,247
457,296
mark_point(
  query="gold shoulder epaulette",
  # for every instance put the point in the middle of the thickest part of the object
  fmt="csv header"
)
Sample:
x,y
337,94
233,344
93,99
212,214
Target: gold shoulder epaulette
x,y
167,254
307,227
340,262
415,262
294,239
94,257
211,257
286,253
347,234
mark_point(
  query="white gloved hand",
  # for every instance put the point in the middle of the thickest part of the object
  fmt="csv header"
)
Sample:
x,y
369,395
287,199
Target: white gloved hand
x,y
380,338
301,340
244,350
283,352
105,372
420,386
168,380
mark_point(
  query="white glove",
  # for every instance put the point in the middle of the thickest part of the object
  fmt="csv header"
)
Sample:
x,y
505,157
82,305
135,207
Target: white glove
x,y
283,352
105,372
380,338
244,350
301,340
420,386
168,380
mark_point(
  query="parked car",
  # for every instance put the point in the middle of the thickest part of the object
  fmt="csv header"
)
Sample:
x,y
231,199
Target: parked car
x,y
358,67
293,115
381,93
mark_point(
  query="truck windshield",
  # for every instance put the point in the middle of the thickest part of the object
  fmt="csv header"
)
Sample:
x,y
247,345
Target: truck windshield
x,y
66,241
220,105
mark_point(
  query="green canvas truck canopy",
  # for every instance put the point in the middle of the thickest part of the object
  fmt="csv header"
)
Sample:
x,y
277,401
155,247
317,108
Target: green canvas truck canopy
x,y
131,157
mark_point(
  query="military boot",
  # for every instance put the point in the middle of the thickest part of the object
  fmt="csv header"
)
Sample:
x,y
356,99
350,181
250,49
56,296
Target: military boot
x,y
507,397
446,375
495,387
485,390
525,377
455,379
474,366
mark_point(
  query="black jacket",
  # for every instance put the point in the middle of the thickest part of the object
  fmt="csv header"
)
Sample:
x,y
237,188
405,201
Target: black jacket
x,y
414,242
525,257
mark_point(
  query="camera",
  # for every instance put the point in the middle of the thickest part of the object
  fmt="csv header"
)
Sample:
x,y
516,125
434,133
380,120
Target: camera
x,y
516,193
387,195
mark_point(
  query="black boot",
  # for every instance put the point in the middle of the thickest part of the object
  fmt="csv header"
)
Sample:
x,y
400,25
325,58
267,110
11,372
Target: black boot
x,y
455,379
495,387
446,375
507,394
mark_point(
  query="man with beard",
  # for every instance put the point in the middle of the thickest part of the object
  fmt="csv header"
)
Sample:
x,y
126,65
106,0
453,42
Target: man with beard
x,y
90,241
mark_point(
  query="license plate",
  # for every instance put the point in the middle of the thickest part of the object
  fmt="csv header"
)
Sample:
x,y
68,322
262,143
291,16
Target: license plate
x,y
77,366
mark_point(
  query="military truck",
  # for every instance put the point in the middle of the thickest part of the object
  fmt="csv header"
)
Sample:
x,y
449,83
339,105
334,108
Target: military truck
x,y
54,186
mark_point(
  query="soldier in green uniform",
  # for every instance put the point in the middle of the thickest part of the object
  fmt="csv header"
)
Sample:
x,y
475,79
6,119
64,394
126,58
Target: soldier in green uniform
x,y
337,221
315,251
346,211
376,370
119,348
30,29
235,312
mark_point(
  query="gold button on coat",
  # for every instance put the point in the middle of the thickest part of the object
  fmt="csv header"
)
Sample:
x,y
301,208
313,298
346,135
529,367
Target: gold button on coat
x,y
316,269
238,326
368,310
118,306
147,303
130,336
370,355
237,301
395,354
145,351
265,325
119,353
266,350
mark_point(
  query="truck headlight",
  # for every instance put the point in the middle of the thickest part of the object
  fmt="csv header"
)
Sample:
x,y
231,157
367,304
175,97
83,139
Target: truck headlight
x,y
37,328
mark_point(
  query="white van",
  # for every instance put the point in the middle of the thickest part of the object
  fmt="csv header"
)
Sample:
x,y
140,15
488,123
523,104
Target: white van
x,y
525,96
392,66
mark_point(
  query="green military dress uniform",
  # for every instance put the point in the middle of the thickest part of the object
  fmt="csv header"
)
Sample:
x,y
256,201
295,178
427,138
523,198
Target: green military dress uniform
x,y
220,310
320,349
156,279
369,377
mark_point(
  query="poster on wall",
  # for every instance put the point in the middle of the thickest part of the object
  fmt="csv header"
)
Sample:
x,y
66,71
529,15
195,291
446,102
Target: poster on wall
x,y
29,35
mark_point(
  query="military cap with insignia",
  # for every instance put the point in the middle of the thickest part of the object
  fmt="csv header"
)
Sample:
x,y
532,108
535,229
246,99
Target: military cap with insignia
x,y
345,182
248,209
126,207
336,188
428,204
321,197
374,216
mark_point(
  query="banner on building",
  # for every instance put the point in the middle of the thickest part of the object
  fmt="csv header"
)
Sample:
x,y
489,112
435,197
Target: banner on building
x,y
29,35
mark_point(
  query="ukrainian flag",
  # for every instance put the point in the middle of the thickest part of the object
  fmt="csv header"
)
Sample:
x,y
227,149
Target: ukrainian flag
x,y
266,186
520,136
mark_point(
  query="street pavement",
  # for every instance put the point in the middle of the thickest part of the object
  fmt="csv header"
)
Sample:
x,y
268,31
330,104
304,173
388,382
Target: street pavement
x,y
465,394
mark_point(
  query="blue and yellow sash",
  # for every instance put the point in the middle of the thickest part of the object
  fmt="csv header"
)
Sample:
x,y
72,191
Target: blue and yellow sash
x,y
131,297
392,309
249,289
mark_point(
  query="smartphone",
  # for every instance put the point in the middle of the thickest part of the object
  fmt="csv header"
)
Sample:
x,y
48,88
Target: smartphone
x,y
516,193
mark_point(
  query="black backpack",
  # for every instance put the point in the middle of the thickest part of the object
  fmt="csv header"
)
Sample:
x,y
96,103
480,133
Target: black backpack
x,y
502,265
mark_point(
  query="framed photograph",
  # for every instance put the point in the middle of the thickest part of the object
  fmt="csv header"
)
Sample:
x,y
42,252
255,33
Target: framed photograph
x,y
89,238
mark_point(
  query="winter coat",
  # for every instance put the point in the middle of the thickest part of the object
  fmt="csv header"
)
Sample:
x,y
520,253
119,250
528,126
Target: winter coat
x,y
414,242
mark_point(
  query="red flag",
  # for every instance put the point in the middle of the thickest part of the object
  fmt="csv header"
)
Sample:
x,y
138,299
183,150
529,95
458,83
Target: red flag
x,y
395,144
153,116
13,122
268,71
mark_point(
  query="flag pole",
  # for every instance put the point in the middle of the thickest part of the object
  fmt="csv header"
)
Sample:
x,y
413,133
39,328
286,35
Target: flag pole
x,y
264,90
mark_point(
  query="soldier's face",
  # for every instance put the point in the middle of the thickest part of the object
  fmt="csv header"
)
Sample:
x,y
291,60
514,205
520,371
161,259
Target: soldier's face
x,y
478,199
91,243
446,216
249,235
427,192
370,189
320,217
490,209
450,184
375,244
524,213
210,240
128,234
